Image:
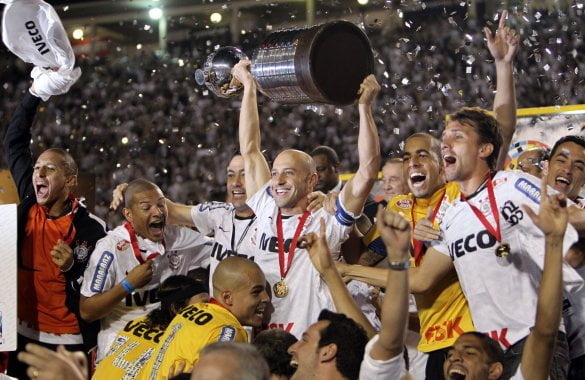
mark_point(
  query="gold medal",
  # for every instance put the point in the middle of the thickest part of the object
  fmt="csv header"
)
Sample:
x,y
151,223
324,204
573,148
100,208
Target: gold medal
x,y
280,289
503,250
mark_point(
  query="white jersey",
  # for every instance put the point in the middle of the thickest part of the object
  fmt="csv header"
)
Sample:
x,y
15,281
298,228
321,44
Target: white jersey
x,y
114,258
307,293
231,234
501,291
372,369
360,292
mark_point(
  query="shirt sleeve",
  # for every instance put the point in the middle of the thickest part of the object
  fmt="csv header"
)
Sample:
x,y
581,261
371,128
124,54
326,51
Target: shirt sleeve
x,y
372,369
100,275
179,238
205,215
259,200
228,333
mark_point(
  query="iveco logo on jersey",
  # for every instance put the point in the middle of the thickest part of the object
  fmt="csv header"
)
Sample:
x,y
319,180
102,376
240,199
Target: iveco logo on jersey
x,y
471,243
529,189
99,277
219,252
270,243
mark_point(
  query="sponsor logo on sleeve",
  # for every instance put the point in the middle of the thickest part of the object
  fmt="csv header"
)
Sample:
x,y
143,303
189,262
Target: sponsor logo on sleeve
x,y
122,245
529,189
101,272
228,334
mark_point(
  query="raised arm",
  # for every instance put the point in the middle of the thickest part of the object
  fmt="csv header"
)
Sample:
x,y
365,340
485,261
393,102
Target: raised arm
x,y
356,190
395,231
17,144
538,351
503,48
179,214
255,165
322,261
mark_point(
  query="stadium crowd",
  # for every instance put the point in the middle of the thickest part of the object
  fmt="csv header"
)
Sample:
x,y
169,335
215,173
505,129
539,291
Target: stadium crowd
x,y
143,115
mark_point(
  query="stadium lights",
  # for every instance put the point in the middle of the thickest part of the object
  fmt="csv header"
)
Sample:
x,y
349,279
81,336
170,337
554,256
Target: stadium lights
x,y
215,17
77,34
155,13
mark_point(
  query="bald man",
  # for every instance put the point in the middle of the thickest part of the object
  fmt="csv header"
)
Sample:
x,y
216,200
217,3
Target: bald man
x,y
124,273
239,298
279,198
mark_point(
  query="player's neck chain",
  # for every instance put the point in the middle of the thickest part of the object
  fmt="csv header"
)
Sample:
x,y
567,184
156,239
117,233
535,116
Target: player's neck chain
x,y
480,188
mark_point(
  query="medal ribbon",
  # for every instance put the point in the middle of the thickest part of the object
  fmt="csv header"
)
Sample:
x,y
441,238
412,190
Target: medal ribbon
x,y
293,244
495,232
134,243
417,244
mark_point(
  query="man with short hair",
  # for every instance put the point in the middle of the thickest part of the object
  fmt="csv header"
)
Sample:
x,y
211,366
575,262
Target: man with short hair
x,y
124,273
566,174
327,165
566,167
56,234
332,348
239,298
230,361
273,345
393,181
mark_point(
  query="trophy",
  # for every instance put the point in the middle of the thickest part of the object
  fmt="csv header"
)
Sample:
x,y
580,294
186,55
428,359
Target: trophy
x,y
321,64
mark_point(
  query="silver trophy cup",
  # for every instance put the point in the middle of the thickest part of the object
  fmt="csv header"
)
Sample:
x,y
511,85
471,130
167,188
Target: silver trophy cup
x,y
321,64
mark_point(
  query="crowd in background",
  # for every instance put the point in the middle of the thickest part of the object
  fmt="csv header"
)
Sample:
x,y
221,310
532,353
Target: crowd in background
x,y
144,115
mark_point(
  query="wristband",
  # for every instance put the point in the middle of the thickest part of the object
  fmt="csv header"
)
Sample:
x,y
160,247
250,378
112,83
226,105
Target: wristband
x,y
399,265
128,286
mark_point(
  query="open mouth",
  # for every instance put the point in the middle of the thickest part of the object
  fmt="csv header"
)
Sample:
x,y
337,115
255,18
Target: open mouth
x,y
294,363
42,190
449,160
260,309
562,181
417,178
238,193
281,192
457,374
156,228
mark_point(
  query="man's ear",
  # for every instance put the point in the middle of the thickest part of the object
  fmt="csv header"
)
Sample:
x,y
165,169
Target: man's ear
x,y
328,353
313,177
496,370
227,298
486,150
71,181
127,214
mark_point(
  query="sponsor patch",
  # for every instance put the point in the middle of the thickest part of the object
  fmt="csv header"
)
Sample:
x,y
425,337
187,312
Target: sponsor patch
x,y
404,203
122,245
228,334
529,189
498,181
101,272
208,206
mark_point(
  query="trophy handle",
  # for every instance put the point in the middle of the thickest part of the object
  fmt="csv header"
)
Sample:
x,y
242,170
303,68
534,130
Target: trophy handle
x,y
216,71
